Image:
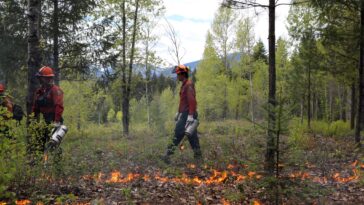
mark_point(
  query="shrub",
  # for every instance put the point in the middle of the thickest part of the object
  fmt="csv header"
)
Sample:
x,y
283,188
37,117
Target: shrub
x,y
12,152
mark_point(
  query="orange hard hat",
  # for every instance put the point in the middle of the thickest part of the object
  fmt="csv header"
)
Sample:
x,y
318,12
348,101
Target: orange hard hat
x,y
181,69
2,87
45,71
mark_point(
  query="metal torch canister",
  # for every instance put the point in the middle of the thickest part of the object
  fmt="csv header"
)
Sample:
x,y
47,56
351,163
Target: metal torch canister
x,y
192,127
59,134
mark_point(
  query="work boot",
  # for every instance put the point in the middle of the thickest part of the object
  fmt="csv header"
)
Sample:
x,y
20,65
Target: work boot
x,y
198,156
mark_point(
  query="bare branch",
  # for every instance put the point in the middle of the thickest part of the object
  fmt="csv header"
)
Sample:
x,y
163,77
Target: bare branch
x,y
245,4
176,43
293,3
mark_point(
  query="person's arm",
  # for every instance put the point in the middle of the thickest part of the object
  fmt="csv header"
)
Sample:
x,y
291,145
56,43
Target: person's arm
x,y
35,108
9,104
57,95
191,98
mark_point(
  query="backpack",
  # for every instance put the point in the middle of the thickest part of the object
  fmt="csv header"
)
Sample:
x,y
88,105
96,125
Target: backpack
x,y
17,112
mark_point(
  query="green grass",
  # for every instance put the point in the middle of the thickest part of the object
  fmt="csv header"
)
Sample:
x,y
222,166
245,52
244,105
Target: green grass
x,y
102,148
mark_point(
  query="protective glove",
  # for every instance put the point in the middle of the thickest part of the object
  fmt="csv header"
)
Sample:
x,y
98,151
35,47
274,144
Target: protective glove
x,y
56,124
176,117
190,119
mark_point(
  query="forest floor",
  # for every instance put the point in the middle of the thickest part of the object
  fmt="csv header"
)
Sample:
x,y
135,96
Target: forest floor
x,y
104,168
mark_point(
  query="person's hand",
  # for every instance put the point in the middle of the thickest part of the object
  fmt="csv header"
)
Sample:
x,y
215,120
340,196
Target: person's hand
x,y
56,124
190,119
176,117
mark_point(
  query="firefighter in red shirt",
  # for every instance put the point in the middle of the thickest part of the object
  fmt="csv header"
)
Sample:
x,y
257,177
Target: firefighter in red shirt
x,y
5,100
48,100
187,114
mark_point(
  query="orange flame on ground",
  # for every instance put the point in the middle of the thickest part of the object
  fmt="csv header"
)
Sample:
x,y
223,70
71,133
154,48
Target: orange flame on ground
x,y
221,176
45,157
225,202
230,166
116,177
256,202
337,177
181,147
22,202
191,166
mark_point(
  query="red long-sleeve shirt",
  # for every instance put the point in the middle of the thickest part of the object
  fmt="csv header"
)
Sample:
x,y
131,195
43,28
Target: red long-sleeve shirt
x,y
7,102
53,102
187,100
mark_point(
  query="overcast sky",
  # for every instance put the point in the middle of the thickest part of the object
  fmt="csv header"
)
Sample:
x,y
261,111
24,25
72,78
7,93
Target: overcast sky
x,y
192,19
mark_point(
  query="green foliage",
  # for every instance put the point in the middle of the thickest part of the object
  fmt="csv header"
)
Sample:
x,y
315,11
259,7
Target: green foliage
x,y
298,138
119,116
66,199
331,129
111,115
209,82
259,52
12,153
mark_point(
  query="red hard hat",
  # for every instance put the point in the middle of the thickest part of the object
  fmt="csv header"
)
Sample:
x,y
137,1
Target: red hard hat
x,y
45,71
2,87
181,69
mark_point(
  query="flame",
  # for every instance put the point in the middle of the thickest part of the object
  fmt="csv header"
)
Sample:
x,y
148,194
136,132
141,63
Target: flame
x,y
117,177
251,174
320,180
337,177
230,166
225,202
45,157
302,175
2,203
146,178
22,202
256,202
99,177
191,166
181,147
199,203
197,180
218,177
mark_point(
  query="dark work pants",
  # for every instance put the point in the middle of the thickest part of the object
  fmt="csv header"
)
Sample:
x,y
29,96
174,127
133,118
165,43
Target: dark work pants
x,y
179,133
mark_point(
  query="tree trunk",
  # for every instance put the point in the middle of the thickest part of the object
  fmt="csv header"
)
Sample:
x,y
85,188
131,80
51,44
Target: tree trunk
x,y
309,98
124,106
251,96
314,114
301,110
353,106
331,106
270,154
147,77
343,103
55,42
34,57
126,97
360,113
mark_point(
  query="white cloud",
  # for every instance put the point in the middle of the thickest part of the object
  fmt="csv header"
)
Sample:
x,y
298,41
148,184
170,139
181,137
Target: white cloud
x,y
192,19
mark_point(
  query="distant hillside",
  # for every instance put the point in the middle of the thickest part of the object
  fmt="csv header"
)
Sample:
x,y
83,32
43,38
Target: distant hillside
x,y
168,71
193,65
